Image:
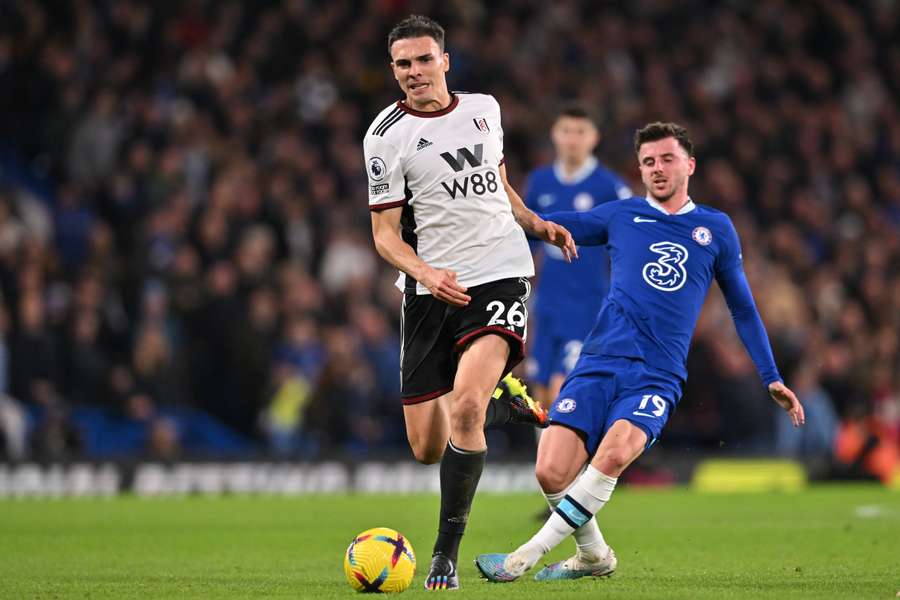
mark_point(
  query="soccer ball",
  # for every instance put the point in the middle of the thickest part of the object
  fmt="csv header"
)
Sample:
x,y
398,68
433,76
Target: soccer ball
x,y
380,560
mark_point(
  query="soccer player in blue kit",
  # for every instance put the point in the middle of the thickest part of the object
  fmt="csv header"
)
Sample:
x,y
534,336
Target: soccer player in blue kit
x,y
568,295
665,251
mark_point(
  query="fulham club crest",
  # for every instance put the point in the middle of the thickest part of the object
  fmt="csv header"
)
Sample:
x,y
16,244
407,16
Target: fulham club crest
x,y
481,124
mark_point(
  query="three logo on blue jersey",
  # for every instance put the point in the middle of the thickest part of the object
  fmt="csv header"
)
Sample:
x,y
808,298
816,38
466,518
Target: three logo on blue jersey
x,y
667,274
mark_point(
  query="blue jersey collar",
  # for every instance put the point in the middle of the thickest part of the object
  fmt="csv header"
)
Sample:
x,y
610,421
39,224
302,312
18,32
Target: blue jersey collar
x,y
580,174
684,209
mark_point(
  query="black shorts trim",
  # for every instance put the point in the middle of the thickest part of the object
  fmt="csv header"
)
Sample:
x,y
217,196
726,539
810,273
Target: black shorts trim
x,y
425,397
516,343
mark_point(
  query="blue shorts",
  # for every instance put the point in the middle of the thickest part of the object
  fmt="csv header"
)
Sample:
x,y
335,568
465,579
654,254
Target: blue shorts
x,y
555,347
603,389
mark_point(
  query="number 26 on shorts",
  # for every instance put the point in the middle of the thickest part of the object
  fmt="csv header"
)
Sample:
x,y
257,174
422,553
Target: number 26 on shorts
x,y
516,317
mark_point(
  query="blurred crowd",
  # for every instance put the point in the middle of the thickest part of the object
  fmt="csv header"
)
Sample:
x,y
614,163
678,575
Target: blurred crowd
x,y
185,249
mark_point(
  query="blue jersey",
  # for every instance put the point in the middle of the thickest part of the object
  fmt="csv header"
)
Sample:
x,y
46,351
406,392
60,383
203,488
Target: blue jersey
x,y
662,268
574,290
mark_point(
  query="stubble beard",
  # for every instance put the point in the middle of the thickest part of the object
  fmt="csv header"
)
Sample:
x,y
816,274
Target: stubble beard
x,y
662,199
667,196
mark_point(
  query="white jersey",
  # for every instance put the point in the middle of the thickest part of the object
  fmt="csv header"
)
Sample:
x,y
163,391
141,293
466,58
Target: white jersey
x,y
443,168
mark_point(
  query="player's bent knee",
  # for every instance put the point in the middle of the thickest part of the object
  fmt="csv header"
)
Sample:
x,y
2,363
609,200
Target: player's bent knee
x,y
467,413
615,459
552,476
428,456
425,453
426,448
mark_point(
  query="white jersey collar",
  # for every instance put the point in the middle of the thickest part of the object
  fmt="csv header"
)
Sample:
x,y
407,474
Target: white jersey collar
x,y
580,174
684,209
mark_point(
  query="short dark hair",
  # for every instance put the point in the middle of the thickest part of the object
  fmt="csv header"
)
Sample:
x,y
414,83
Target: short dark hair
x,y
415,26
576,110
653,132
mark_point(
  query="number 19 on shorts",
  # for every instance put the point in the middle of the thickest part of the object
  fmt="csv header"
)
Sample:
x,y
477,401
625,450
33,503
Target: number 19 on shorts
x,y
658,409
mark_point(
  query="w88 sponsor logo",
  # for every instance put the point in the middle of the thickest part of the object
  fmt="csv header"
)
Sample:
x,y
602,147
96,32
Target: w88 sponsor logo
x,y
476,182
479,183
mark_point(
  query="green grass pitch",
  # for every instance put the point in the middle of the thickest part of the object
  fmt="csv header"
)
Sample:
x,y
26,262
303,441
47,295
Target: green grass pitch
x,y
826,542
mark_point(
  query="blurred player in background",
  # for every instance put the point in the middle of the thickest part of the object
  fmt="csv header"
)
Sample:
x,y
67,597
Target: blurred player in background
x,y
444,214
665,252
568,296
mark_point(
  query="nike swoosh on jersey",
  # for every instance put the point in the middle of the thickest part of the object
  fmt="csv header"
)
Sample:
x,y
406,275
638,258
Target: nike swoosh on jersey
x,y
640,220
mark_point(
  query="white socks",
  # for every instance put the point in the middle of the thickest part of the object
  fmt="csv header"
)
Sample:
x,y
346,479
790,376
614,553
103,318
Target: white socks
x,y
588,538
586,496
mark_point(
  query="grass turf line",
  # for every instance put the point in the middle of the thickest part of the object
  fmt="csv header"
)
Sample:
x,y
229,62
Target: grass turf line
x,y
671,544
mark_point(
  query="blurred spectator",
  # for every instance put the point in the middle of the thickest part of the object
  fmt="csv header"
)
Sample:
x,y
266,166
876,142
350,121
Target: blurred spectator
x,y
87,362
13,420
95,140
34,367
283,420
13,428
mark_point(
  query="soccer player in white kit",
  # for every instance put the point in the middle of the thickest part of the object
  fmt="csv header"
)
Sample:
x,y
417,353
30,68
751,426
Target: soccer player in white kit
x,y
444,214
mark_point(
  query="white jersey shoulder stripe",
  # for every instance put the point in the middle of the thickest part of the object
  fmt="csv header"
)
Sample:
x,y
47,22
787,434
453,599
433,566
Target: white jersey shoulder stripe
x,y
394,116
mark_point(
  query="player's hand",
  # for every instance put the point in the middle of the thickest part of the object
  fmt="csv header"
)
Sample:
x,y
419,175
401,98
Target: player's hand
x,y
557,235
443,285
786,399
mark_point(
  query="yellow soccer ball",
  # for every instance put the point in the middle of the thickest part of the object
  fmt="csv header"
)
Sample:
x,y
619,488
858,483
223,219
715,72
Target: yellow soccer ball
x,y
380,560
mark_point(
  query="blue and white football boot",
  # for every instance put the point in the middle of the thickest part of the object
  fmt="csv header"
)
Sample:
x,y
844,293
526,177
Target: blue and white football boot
x,y
492,569
576,568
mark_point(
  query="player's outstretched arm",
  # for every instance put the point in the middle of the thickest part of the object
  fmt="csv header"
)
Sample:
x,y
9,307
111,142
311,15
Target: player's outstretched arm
x,y
533,225
753,334
441,283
